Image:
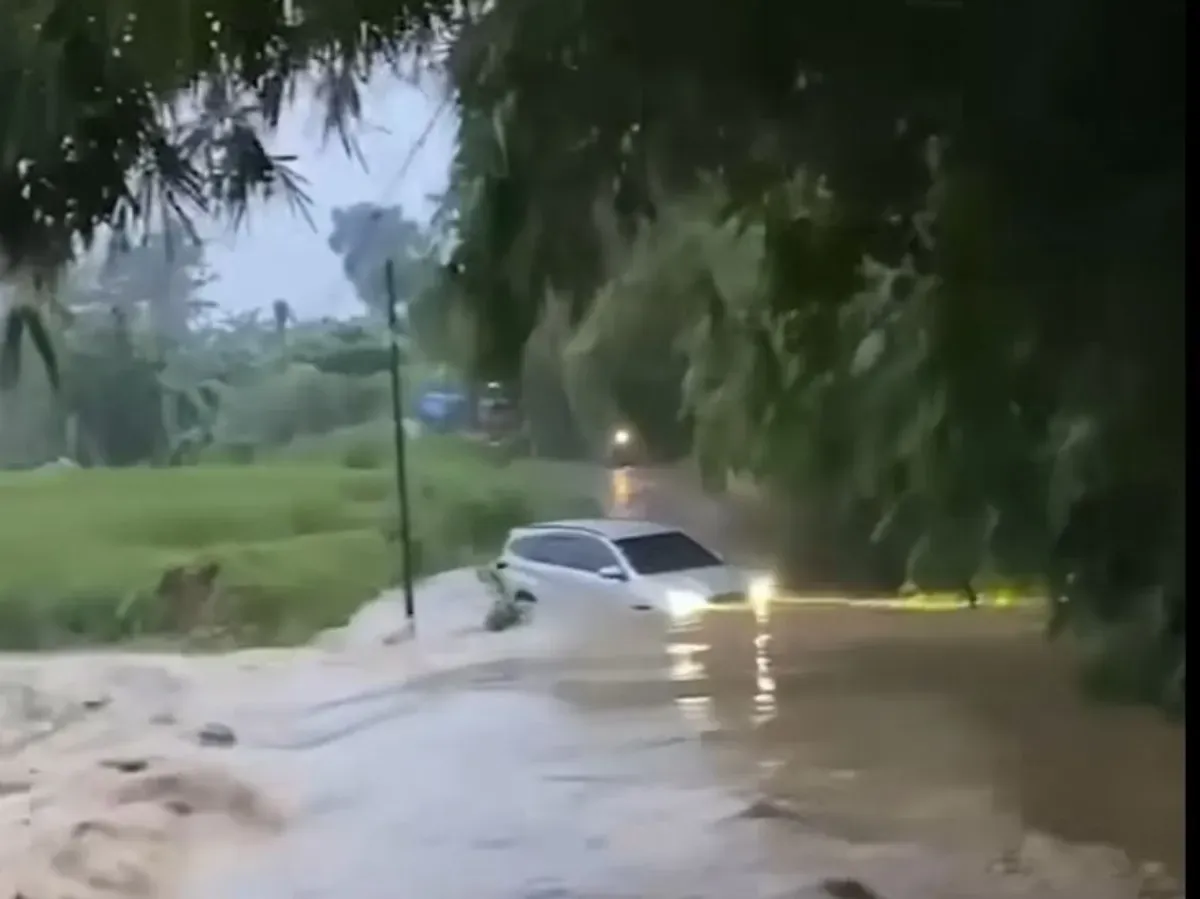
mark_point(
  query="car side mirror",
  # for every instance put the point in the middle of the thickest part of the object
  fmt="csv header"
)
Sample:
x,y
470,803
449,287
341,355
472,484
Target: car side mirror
x,y
612,573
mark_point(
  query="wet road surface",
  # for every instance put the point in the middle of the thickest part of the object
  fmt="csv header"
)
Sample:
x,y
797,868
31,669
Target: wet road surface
x,y
961,727
591,755
488,770
956,729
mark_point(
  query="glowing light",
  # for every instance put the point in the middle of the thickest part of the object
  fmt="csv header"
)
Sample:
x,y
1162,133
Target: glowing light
x,y
684,603
764,698
621,437
760,593
762,589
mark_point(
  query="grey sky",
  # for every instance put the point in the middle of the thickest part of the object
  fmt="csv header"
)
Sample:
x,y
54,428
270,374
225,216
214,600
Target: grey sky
x,y
278,255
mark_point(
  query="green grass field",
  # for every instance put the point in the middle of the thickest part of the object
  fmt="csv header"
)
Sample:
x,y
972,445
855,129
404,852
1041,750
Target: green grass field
x,y
302,539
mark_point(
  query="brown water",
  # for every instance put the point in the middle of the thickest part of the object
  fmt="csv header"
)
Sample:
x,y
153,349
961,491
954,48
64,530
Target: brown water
x,y
879,739
960,727
955,728
849,744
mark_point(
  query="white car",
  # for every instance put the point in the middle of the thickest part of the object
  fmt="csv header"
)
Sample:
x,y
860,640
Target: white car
x,y
638,563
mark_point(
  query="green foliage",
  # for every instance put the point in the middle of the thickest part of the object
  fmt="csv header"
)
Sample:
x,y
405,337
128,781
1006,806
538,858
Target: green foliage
x,y
113,394
91,137
950,343
297,400
961,343
156,283
909,447
233,388
300,544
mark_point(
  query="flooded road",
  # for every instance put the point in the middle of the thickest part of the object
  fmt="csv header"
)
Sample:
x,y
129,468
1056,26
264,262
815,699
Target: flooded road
x,y
957,729
598,752
590,755
960,729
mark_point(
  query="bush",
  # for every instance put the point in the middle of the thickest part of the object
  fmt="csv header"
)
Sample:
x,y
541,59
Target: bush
x,y
297,400
299,544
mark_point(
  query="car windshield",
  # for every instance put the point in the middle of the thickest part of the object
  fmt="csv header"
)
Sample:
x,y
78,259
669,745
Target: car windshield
x,y
665,552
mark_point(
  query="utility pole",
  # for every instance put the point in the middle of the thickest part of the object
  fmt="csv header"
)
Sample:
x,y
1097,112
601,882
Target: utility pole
x,y
399,436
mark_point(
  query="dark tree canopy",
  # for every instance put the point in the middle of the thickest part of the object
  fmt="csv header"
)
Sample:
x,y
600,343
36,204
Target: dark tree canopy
x,y
1016,168
92,132
964,336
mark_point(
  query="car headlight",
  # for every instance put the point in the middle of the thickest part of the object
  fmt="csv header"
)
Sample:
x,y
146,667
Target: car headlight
x,y
621,437
762,589
682,603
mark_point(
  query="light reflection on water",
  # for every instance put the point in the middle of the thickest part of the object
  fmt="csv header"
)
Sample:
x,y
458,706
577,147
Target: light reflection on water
x,y
686,666
686,671
764,698
958,729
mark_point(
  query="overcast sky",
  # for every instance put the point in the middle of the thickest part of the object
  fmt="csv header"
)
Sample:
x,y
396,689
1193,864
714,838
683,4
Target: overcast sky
x,y
278,255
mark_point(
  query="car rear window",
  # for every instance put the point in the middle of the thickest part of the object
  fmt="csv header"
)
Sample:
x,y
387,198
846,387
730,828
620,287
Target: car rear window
x,y
665,552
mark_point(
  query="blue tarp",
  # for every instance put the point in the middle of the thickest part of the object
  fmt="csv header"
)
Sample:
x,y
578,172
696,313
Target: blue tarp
x,y
442,408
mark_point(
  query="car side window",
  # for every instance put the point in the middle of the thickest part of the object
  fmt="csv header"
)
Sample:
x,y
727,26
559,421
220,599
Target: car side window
x,y
588,554
531,548
554,549
575,551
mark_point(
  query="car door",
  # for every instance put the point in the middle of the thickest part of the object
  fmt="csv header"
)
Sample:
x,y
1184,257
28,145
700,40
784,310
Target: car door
x,y
534,564
585,557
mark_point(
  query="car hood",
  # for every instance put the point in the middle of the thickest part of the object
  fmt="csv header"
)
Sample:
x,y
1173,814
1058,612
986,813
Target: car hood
x,y
709,582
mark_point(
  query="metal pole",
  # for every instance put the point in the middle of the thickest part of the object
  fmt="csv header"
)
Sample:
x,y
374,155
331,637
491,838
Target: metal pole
x,y
389,275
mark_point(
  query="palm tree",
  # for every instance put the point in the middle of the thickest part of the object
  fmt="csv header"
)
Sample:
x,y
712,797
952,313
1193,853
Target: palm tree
x,y
282,316
116,115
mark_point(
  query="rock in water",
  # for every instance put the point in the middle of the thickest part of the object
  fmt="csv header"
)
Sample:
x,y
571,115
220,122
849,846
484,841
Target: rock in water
x,y
503,614
216,734
848,888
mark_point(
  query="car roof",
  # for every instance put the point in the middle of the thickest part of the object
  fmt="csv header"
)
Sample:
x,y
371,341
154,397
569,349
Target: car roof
x,y
608,528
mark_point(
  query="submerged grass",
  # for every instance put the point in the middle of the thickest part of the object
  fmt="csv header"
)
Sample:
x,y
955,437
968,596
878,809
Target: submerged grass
x,y
301,539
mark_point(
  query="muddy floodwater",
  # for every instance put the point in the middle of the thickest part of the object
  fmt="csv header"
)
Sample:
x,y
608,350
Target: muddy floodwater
x,y
960,730
792,751
944,727
963,728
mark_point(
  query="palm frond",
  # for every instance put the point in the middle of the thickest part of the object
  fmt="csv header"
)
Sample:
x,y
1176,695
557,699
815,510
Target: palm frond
x,y
115,114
